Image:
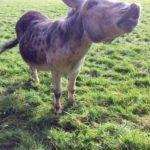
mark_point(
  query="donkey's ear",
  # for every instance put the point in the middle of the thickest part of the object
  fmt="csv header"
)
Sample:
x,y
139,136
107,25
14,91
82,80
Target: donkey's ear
x,y
73,3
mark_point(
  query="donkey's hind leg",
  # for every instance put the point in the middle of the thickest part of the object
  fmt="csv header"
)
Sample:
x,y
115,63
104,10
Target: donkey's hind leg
x,y
34,73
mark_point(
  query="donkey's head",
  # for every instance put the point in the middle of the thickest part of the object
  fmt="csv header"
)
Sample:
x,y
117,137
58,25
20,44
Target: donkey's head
x,y
103,20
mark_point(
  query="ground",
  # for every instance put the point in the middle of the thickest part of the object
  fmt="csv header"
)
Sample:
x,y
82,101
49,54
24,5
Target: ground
x,y
112,110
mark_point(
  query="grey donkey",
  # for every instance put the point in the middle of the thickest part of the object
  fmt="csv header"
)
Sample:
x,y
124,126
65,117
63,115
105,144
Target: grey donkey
x,y
60,45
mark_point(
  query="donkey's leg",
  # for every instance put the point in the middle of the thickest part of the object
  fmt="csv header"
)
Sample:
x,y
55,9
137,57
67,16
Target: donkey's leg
x,y
72,86
56,77
34,73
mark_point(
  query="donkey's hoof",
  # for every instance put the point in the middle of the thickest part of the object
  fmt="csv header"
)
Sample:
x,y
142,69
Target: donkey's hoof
x,y
58,108
37,81
71,102
58,111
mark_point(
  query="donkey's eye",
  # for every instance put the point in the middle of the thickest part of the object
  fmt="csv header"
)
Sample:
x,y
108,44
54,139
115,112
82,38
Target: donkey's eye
x,y
91,5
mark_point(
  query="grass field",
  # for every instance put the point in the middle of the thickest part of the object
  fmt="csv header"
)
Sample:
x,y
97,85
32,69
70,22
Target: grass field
x,y
112,110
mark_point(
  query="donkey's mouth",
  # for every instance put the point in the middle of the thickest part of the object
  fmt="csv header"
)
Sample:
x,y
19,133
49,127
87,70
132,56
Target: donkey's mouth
x,y
129,21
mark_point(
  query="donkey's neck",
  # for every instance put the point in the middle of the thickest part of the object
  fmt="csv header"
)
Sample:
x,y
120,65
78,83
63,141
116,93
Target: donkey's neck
x,y
74,26
75,34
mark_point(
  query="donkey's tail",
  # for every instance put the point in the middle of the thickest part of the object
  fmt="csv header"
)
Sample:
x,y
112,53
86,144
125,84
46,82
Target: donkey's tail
x,y
8,45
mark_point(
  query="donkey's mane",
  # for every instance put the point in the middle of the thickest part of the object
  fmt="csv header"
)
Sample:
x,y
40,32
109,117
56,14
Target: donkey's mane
x,y
71,28
73,23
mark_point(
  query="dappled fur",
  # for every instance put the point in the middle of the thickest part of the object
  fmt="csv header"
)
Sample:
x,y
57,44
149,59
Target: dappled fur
x,y
44,36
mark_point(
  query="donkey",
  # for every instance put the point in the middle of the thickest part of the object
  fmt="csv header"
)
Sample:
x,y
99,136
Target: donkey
x,y
60,45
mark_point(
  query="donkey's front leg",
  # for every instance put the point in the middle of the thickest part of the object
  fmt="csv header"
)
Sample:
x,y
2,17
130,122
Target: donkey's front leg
x,y
72,86
56,77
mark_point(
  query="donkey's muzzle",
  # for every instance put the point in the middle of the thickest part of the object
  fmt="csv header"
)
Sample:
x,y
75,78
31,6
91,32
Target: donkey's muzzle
x,y
130,19
134,11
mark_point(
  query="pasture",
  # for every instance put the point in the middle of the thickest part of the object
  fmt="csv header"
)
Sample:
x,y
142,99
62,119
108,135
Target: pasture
x,y
112,110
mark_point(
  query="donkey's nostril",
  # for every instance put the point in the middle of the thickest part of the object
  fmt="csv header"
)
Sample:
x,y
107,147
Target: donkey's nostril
x,y
134,6
135,11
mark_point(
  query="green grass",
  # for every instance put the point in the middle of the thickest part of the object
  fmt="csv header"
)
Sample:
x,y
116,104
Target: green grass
x,y
112,108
